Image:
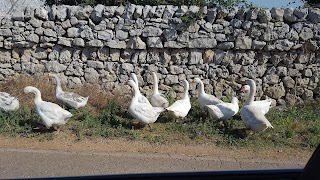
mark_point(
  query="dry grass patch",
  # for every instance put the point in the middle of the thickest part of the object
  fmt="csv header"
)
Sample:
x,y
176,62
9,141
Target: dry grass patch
x,y
98,98
16,85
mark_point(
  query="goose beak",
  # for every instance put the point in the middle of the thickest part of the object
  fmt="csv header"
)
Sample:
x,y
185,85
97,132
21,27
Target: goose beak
x,y
243,89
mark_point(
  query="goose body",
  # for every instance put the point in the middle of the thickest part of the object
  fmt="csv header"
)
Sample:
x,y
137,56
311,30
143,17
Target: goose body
x,y
8,102
251,115
70,99
141,98
52,115
157,99
143,112
204,98
181,107
263,105
224,111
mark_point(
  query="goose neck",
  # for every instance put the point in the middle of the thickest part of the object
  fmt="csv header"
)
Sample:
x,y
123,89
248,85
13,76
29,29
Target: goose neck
x,y
252,92
37,95
155,84
58,87
135,91
186,90
200,87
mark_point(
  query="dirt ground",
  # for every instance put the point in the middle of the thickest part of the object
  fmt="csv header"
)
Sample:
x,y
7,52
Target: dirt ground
x,y
63,143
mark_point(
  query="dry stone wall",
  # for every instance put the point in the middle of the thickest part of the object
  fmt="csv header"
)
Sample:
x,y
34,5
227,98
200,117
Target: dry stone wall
x,y
104,44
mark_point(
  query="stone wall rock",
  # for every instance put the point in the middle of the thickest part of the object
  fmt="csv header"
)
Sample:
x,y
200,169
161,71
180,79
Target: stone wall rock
x,y
104,44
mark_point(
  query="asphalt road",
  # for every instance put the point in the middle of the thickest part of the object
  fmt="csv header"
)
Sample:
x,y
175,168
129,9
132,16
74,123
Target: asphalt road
x,y
23,163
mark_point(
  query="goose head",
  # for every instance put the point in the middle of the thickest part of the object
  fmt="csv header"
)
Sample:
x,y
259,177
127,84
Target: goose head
x,y
199,84
134,77
133,86
196,80
58,87
131,83
35,91
245,88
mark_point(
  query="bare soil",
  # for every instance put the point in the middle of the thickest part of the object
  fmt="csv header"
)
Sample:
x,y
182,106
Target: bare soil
x,y
64,143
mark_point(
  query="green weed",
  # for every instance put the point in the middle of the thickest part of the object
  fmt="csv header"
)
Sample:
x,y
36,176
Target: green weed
x,y
297,127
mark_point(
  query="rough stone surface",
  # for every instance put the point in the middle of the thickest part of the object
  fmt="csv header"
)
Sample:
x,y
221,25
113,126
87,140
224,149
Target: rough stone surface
x,y
243,42
104,44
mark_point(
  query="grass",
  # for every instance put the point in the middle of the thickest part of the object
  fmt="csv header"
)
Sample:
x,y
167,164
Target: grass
x,y
106,116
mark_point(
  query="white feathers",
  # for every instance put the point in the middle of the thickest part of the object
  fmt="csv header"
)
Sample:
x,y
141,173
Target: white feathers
x,y
70,99
141,98
251,114
157,99
263,105
224,111
51,114
143,112
204,98
8,102
181,107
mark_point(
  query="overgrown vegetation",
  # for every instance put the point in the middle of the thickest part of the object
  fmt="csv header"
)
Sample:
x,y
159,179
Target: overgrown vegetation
x,y
297,127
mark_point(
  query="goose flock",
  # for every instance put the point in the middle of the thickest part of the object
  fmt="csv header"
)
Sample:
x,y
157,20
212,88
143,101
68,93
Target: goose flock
x,y
252,112
147,112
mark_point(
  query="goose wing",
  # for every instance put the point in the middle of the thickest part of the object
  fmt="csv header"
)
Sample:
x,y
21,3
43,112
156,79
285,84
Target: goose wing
x,y
208,99
180,107
144,100
222,111
72,97
263,105
159,100
148,111
5,98
254,118
53,111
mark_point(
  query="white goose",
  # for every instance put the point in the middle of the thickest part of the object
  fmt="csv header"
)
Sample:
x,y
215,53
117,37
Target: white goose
x,y
251,115
141,98
204,98
143,112
52,115
157,99
263,105
181,107
8,102
224,111
70,99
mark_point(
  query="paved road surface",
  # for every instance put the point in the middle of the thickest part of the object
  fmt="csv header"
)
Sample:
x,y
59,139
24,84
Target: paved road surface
x,y
23,163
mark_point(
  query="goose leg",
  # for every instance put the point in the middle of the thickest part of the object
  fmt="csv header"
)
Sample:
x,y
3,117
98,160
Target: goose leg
x,y
249,131
41,127
225,125
56,128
